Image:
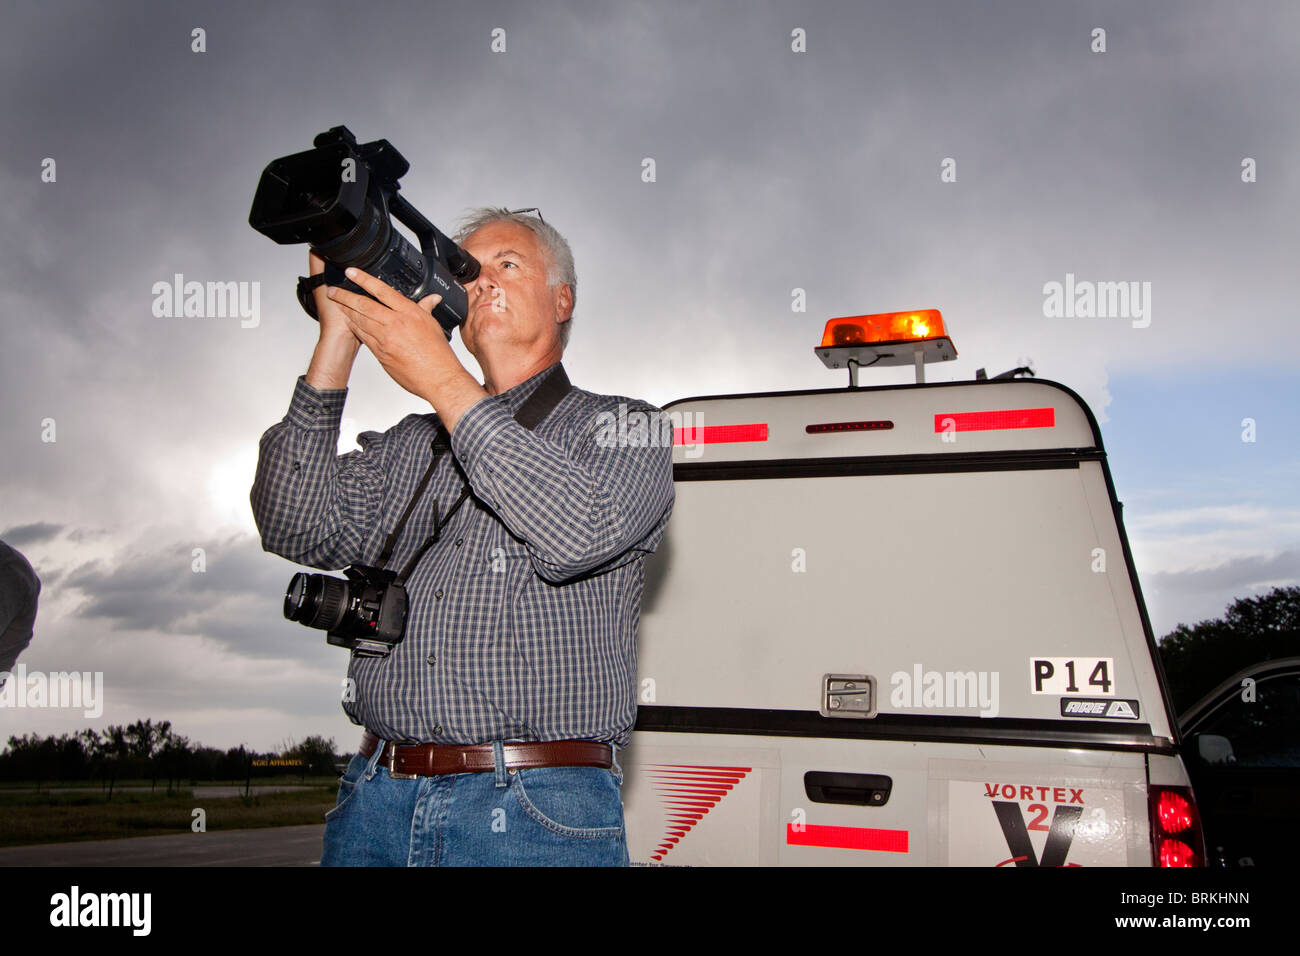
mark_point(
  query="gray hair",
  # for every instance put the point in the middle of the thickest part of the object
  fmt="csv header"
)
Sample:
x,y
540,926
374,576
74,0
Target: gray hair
x,y
559,266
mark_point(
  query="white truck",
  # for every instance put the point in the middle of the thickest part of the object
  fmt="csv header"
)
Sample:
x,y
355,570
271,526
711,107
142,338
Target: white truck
x,y
900,626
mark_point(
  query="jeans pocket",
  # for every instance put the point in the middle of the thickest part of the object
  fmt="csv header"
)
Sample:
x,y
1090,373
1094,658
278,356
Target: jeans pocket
x,y
582,802
348,785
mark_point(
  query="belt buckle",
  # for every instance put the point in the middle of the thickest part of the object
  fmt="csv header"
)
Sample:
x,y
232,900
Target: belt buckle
x,y
392,760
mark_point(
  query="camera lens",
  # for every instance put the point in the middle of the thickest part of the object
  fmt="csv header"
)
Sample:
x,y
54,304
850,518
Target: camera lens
x,y
316,600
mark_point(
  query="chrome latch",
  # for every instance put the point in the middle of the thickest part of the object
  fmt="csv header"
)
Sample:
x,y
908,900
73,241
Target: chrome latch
x,y
848,695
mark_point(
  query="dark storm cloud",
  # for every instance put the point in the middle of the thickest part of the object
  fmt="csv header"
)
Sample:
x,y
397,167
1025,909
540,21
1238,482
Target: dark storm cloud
x,y
85,535
35,533
775,170
1234,577
236,600
1189,597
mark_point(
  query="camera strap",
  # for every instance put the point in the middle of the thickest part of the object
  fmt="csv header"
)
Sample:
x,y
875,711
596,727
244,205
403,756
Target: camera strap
x,y
305,298
539,404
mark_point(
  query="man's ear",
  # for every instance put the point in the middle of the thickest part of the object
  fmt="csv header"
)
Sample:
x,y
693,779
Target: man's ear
x,y
564,302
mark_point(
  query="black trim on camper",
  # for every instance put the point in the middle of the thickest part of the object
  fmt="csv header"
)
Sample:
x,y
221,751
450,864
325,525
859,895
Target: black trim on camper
x,y
928,464
995,731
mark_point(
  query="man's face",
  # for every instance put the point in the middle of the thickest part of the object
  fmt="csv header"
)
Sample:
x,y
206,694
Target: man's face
x,y
511,303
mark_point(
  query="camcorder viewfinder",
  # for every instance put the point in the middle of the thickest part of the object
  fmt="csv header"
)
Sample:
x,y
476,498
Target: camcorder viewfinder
x,y
341,198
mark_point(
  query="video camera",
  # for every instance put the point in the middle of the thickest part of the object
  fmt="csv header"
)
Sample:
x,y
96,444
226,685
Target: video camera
x,y
338,197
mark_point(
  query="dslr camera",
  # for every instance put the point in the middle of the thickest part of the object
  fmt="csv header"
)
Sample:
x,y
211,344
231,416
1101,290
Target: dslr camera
x,y
365,611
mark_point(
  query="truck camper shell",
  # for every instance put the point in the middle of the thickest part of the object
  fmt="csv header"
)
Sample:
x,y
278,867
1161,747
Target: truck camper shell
x,y
900,625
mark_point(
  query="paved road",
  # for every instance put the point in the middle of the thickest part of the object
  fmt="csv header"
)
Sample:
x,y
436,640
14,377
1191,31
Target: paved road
x,y
271,846
199,790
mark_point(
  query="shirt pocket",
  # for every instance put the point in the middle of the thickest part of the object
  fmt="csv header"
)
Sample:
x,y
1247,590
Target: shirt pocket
x,y
480,596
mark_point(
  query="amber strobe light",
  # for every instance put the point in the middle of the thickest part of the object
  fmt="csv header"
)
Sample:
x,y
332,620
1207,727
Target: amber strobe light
x,y
884,327
913,338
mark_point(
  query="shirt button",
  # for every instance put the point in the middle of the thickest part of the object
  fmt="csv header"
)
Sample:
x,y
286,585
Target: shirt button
x,y
459,542
431,659
297,466
438,594
437,728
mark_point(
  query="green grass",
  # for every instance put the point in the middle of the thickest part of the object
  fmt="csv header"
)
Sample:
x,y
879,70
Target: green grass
x,y
52,817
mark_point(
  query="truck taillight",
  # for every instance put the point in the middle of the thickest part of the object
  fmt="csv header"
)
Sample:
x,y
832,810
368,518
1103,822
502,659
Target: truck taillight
x,y
1176,838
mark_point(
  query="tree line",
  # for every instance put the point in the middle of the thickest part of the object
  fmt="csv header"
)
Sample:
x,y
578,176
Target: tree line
x,y
1197,659
145,750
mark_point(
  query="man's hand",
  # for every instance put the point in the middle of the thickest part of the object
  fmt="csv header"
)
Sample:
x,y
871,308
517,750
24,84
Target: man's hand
x,y
336,350
409,343
333,321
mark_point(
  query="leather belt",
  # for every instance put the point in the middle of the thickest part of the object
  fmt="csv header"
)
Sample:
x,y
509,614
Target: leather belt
x,y
426,760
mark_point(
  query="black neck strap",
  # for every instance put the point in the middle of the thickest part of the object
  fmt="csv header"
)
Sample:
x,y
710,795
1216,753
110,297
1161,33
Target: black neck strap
x,y
538,405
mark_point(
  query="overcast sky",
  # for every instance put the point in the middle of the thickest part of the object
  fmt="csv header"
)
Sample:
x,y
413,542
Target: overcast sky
x,y
775,170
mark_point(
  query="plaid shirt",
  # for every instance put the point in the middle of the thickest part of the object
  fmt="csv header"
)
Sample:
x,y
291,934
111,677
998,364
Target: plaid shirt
x,y
523,617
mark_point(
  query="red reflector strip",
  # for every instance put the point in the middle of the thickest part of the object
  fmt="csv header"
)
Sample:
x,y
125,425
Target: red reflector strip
x,y
994,421
848,427
847,838
718,434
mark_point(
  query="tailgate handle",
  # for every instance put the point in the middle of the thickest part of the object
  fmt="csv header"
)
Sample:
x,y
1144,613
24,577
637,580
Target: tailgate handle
x,y
859,789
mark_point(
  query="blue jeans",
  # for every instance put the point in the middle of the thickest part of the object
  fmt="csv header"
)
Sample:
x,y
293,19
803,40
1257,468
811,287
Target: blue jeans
x,y
548,816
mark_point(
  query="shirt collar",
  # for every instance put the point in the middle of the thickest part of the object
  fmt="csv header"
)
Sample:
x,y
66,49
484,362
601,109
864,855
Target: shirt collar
x,y
513,398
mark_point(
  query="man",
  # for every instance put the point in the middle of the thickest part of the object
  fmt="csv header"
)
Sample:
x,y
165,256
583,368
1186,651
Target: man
x,y
20,589
523,613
